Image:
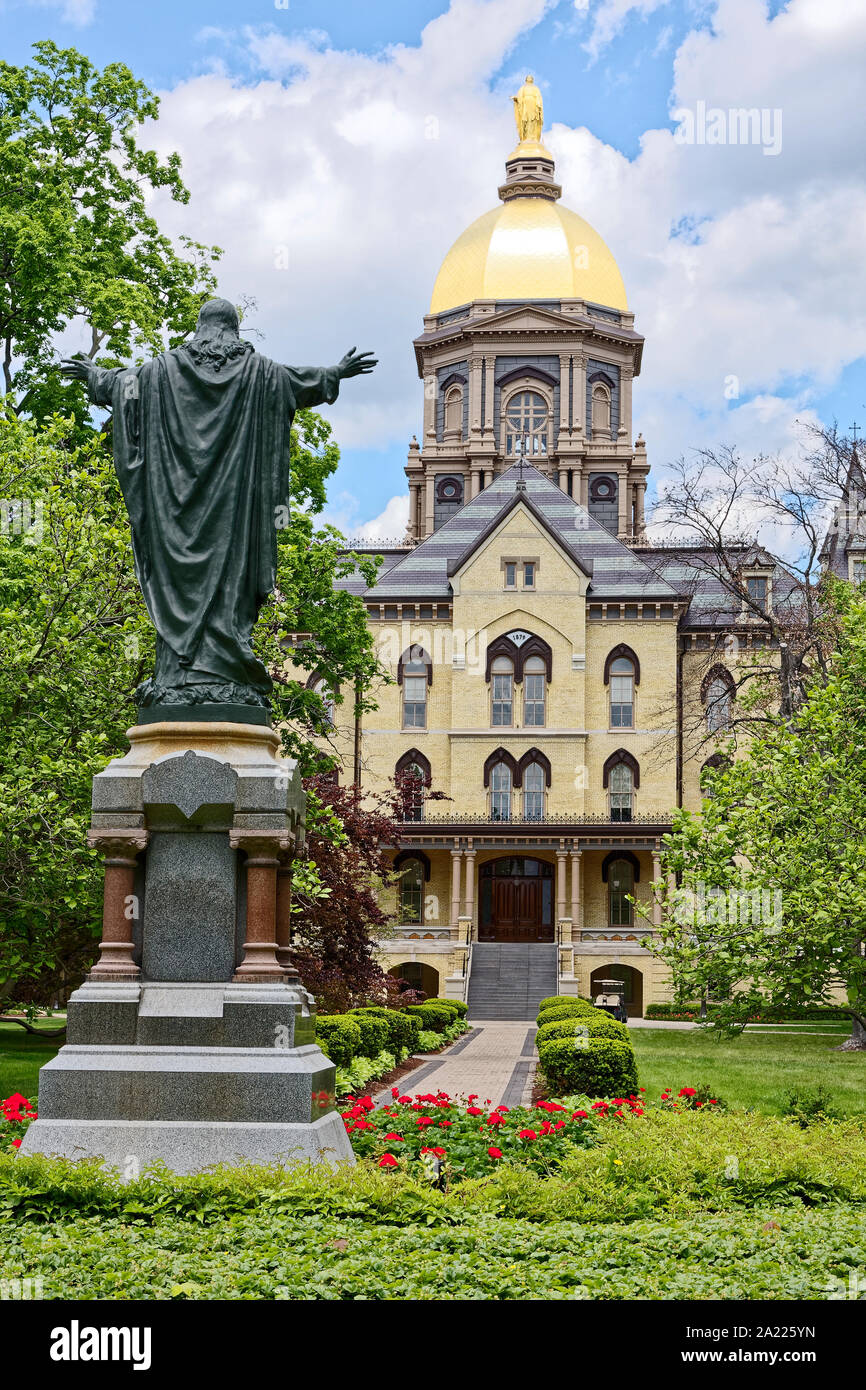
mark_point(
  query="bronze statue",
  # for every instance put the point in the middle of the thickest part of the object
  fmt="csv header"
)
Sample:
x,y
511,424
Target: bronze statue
x,y
201,448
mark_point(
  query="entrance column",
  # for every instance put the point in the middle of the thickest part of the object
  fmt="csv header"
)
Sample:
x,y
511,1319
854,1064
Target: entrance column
x,y
576,895
561,857
456,858
657,873
469,883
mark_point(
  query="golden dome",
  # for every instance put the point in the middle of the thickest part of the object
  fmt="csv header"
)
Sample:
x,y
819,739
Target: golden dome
x,y
528,248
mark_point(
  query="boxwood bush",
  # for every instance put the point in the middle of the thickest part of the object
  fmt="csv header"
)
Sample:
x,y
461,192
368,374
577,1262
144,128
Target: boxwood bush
x,y
433,1015
601,1027
375,1033
403,1029
554,1000
604,1067
339,1037
457,1004
567,1010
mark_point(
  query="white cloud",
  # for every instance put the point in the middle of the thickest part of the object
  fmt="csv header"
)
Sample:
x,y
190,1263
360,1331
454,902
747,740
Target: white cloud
x,y
359,171
78,12
610,17
390,525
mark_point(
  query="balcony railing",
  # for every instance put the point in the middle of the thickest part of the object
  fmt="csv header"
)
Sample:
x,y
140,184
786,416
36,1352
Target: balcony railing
x,y
532,822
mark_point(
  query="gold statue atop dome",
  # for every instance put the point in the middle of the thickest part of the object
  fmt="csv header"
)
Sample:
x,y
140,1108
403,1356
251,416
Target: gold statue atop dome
x,y
529,113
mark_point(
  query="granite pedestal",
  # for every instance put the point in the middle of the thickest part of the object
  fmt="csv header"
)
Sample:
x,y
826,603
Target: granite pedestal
x,y
192,1041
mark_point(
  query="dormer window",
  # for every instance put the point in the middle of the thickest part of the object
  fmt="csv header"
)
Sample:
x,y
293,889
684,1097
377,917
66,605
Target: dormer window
x,y
756,588
858,571
758,595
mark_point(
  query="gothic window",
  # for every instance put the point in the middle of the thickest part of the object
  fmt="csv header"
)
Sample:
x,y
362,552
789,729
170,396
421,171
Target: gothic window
x,y
534,689
620,884
411,889
326,695
533,792
718,696
526,425
622,693
502,692
600,408
454,410
412,775
500,792
621,784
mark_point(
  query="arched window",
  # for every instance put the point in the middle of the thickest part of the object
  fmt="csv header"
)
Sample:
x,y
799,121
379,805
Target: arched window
x,y
414,673
411,892
622,676
502,692
621,789
620,883
718,696
526,425
326,695
600,408
412,775
533,792
534,688
500,792
454,410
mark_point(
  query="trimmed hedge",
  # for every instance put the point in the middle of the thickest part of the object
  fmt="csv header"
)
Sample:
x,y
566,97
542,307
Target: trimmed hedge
x,y
339,1037
403,1029
604,1067
554,1000
602,1027
456,1004
435,1016
577,1009
375,1033
691,1013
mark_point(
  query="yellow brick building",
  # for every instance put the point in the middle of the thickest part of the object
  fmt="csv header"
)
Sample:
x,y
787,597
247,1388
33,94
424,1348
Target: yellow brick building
x,y
554,676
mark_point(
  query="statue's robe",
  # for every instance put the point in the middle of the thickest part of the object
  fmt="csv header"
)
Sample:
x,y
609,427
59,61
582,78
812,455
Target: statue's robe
x,y
202,457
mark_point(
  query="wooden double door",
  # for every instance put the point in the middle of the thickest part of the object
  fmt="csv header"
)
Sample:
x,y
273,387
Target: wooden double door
x,y
516,900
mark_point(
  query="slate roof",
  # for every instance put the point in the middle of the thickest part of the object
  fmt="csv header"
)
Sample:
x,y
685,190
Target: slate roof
x,y
694,571
617,573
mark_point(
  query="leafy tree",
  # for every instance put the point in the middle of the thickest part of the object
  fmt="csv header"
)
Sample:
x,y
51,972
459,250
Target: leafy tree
x,y
772,904
74,640
76,239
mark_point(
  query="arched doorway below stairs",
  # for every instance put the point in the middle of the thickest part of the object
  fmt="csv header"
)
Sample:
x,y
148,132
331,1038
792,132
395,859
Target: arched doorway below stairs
x,y
631,978
515,899
418,976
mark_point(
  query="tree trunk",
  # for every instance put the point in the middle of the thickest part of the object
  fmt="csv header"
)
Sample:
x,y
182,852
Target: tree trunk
x,y
857,1040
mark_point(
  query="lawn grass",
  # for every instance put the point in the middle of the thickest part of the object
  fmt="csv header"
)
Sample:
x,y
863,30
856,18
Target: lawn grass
x,y
752,1071
22,1054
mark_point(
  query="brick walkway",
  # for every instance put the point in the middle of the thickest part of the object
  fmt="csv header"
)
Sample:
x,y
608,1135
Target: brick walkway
x,y
496,1061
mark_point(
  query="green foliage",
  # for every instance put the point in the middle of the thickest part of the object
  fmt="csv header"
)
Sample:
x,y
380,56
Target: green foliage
x,y
403,1028
603,1026
76,237
553,1001
810,1105
433,1016
375,1033
772,906
603,1067
361,1071
457,1005
339,1037
74,642
567,1010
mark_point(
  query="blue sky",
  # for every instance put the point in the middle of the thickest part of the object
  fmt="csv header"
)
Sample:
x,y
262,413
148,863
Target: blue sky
x,y
734,263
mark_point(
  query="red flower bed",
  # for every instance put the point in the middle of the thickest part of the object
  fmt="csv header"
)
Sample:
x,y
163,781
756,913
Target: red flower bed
x,y
16,1112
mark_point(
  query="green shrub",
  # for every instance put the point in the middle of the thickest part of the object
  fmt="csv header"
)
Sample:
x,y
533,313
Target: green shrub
x,y
604,1067
403,1030
375,1033
567,1010
458,1004
432,1015
553,1001
810,1105
339,1037
603,1026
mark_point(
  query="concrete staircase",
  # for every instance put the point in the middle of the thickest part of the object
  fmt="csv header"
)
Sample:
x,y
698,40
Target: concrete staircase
x,y
509,980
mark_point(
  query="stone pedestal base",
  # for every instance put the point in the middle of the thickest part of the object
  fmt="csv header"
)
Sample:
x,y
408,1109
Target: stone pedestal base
x,y
189,1146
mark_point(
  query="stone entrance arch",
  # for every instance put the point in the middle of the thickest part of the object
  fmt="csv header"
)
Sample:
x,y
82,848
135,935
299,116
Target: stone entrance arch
x,y
418,976
631,977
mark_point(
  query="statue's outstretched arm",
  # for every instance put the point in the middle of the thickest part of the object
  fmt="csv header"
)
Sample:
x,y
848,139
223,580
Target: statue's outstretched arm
x,y
313,386
99,380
